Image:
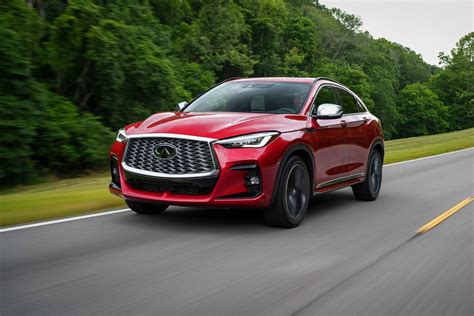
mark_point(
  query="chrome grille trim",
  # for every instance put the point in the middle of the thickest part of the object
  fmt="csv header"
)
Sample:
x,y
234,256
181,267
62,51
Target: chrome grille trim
x,y
209,141
170,135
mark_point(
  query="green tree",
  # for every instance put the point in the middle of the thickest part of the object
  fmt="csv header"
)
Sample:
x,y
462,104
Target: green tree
x,y
20,29
421,112
455,83
71,141
267,20
38,130
133,77
66,49
171,12
218,39
114,61
300,46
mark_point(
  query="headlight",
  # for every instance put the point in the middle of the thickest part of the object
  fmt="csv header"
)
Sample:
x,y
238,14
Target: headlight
x,y
121,135
249,141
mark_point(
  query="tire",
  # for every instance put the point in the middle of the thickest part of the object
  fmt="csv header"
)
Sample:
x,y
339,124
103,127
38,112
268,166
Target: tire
x,y
292,195
369,189
146,208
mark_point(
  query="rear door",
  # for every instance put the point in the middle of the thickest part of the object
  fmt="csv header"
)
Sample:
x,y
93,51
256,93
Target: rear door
x,y
357,120
333,141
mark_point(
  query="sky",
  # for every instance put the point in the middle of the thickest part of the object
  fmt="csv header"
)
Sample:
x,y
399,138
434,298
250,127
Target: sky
x,y
427,27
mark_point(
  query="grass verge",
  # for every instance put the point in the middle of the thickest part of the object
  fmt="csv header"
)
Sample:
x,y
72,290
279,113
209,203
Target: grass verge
x,y
90,194
57,199
423,146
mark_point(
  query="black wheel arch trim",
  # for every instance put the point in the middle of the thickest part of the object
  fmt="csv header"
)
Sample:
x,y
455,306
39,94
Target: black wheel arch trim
x,y
289,151
376,142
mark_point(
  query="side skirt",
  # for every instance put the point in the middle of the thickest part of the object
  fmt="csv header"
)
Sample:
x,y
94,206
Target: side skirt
x,y
339,183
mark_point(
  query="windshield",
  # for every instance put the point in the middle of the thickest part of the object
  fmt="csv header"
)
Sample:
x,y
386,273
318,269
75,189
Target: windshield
x,y
253,97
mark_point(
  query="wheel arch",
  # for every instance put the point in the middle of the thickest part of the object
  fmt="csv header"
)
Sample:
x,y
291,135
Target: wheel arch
x,y
378,145
305,153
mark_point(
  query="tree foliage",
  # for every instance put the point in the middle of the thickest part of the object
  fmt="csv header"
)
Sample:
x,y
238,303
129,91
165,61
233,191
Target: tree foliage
x,y
455,83
72,71
421,111
19,112
39,131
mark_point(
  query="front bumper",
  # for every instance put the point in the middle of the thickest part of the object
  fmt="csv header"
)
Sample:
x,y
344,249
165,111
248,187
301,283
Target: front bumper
x,y
231,187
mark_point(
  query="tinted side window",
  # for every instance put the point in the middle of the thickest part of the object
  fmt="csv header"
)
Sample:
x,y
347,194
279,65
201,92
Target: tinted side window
x,y
325,95
348,103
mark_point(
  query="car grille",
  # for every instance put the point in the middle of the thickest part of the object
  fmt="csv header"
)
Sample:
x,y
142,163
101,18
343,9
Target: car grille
x,y
192,156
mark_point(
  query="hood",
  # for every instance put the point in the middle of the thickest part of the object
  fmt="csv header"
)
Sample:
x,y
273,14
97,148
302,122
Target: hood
x,y
217,125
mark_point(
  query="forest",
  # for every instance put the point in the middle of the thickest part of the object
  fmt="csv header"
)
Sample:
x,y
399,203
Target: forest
x,y
73,72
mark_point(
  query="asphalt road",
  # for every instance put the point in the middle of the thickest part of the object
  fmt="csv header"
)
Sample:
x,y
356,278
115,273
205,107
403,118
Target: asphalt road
x,y
348,257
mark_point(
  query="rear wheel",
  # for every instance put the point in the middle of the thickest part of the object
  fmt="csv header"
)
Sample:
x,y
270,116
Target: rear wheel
x,y
370,188
292,197
146,208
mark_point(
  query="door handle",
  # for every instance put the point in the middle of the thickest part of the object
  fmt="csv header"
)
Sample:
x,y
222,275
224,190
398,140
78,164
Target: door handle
x,y
343,123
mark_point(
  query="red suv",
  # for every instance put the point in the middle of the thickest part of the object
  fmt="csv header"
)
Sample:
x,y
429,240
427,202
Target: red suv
x,y
267,143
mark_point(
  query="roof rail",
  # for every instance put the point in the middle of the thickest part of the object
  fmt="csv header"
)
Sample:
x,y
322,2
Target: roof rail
x,y
325,78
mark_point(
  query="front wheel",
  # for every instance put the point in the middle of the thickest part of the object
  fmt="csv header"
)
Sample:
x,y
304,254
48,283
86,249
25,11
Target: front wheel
x,y
146,208
370,188
292,195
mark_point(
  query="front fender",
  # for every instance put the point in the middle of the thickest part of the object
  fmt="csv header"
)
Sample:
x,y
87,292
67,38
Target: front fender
x,y
297,143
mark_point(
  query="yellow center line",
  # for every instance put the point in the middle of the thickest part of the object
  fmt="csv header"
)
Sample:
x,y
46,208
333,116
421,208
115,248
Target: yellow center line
x,y
445,215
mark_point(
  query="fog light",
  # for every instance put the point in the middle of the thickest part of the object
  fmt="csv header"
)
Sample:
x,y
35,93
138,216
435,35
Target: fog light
x,y
114,171
253,183
254,180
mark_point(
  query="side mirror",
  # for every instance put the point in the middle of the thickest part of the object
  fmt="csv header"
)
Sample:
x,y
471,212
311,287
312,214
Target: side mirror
x,y
180,106
329,111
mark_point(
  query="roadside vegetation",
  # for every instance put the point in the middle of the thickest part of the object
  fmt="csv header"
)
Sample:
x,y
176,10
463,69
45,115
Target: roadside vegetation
x,y
57,199
73,72
90,194
424,146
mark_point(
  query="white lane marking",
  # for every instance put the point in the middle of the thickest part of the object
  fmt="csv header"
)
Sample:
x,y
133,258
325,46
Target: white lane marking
x,y
70,219
428,157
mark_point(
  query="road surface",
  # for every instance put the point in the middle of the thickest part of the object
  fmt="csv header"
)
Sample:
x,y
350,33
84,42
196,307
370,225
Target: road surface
x,y
348,257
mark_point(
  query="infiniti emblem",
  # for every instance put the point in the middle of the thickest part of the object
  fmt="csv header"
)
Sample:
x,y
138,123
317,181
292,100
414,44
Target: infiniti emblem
x,y
164,151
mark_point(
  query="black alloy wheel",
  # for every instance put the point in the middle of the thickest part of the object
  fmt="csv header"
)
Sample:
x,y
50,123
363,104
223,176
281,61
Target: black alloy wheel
x,y
375,174
292,195
369,189
296,186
